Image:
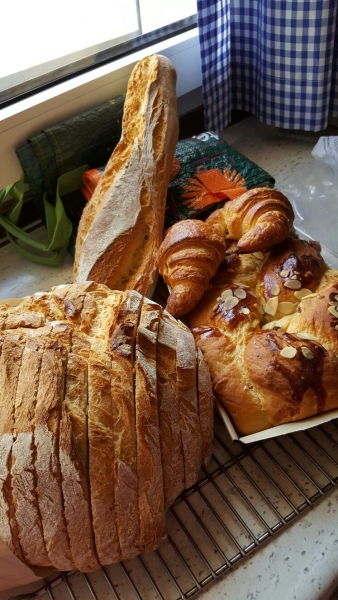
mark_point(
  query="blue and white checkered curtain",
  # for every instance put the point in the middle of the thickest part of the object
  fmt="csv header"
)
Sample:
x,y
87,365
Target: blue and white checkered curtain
x,y
276,59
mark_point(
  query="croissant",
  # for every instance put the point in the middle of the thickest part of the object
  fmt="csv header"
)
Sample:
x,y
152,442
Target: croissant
x,y
268,330
258,219
187,259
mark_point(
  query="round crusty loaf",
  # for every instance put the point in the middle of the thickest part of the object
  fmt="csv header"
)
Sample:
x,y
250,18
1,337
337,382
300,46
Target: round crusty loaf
x,y
121,227
268,328
97,445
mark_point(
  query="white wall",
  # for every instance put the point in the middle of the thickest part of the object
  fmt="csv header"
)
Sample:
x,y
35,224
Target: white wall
x,y
25,118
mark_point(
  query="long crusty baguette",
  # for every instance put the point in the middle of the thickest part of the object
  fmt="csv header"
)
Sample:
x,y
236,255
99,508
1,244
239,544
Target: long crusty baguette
x,y
121,228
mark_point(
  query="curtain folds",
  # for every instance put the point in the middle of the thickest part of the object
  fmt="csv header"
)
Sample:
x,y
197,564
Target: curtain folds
x,y
276,59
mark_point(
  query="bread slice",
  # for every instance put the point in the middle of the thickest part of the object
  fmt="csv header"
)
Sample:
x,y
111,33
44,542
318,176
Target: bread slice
x,y
149,463
23,473
205,407
122,348
74,460
121,228
101,435
46,438
169,411
187,394
12,347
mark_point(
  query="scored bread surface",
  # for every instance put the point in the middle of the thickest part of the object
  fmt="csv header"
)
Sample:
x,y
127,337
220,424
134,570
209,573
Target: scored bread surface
x,y
169,412
74,457
46,437
121,227
122,342
188,401
12,348
149,464
101,438
23,465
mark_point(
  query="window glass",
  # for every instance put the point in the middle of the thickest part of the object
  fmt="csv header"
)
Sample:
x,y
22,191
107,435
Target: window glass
x,y
44,42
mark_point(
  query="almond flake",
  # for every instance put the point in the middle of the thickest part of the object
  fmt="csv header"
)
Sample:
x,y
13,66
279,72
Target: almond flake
x,y
241,285
333,311
306,336
245,310
285,273
258,255
293,276
307,353
240,293
286,308
336,327
215,308
275,290
288,352
230,302
259,308
268,325
293,284
312,295
299,294
226,294
252,294
271,306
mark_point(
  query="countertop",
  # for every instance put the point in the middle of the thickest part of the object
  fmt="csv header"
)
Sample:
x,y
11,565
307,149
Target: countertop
x,y
300,562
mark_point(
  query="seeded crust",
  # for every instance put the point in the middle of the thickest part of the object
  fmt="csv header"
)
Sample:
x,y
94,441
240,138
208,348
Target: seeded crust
x,y
46,437
149,464
122,350
169,411
23,472
12,348
187,394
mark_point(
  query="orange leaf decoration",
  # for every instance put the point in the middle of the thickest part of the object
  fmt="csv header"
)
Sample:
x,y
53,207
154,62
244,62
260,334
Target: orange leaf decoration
x,y
211,187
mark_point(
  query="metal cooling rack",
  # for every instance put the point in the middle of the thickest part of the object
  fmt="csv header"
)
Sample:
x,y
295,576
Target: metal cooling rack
x,y
246,496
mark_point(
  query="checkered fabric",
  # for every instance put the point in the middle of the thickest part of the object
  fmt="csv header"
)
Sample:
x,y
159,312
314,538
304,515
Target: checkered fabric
x,y
276,59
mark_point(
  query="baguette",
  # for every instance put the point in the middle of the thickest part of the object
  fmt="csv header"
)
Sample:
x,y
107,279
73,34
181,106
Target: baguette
x,y
121,228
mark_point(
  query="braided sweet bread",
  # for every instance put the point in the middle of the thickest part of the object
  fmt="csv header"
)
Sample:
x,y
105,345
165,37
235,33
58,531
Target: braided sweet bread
x,y
268,329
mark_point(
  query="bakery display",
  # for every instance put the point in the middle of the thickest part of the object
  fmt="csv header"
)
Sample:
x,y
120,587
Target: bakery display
x,y
121,228
97,435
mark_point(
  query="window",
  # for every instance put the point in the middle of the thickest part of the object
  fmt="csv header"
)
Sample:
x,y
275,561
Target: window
x,y
44,43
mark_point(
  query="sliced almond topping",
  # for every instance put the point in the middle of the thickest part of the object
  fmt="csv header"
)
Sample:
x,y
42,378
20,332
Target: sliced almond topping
x,y
306,336
307,353
259,308
285,273
293,284
271,306
275,290
252,294
245,310
268,325
230,302
336,327
258,255
240,293
333,311
288,352
226,294
241,285
299,294
312,295
215,308
293,276
286,308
